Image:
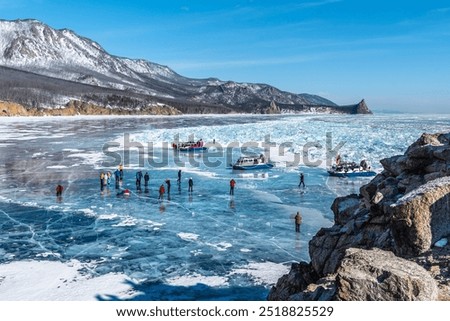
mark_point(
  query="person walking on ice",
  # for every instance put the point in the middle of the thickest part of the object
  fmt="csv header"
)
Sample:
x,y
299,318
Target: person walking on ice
x,y
298,222
302,180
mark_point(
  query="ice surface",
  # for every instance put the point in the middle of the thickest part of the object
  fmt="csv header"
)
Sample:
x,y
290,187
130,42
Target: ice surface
x,y
441,243
203,245
57,281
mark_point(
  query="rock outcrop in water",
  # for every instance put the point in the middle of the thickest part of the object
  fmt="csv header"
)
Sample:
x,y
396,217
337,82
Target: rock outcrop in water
x,y
383,243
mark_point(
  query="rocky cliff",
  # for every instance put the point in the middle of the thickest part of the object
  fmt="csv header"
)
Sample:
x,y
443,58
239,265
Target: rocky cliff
x,y
390,241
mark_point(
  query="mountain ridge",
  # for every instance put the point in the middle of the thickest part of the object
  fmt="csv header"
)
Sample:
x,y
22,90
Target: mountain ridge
x,y
64,63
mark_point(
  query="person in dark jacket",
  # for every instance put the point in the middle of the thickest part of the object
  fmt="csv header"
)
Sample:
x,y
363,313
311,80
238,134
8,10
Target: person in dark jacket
x,y
302,180
179,177
191,185
146,179
138,179
59,190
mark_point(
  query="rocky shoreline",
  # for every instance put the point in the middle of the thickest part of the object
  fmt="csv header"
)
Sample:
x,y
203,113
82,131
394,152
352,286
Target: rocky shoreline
x,y
390,241
76,107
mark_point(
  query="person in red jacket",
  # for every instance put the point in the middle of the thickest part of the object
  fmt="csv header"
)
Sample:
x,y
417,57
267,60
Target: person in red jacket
x,y
232,185
162,190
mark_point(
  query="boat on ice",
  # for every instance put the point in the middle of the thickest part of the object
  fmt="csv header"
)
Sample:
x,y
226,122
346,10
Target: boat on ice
x,y
351,169
190,146
252,162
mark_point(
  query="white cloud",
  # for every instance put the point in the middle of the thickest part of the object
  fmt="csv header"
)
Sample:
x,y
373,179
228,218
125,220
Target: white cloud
x,y
317,3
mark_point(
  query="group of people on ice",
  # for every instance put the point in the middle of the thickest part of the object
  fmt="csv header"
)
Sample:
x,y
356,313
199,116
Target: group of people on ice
x,y
106,177
105,181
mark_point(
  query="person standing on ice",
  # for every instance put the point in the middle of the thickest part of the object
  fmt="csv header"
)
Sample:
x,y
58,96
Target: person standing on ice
x,y
121,172
138,179
105,179
168,186
102,177
232,185
191,185
298,222
117,178
59,190
162,190
146,179
179,177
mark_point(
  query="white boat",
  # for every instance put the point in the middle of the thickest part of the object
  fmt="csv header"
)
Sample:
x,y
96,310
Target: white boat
x,y
351,169
251,162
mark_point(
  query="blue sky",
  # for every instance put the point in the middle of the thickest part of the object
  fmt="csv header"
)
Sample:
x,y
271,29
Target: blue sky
x,y
395,54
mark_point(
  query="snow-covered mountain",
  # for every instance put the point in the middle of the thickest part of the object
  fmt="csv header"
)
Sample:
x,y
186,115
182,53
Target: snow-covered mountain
x,y
34,47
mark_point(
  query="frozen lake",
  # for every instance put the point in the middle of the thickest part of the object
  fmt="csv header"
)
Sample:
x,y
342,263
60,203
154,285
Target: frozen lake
x,y
205,245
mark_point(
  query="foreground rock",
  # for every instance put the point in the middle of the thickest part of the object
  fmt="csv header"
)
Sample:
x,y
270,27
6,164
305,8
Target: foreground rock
x,y
421,217
372,275
403,211
380,275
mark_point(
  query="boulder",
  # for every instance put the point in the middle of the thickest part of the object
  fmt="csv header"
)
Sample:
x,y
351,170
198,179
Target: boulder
x,y
299,277
369,190
409,182
442,153
323,290
425,151
426,139
344,208
421,217
323,250
328,246
393,164
436,167
377,275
